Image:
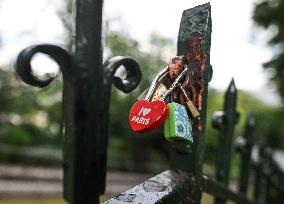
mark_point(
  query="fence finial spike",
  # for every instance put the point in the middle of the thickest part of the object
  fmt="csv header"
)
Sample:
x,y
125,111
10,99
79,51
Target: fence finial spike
x,y
232,87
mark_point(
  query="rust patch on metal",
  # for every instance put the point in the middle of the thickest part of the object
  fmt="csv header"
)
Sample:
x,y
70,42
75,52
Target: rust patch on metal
x,y
195,59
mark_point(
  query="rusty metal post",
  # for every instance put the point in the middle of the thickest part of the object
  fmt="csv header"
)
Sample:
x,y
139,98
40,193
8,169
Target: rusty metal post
x,y
225,121
194,41
86,99
245,149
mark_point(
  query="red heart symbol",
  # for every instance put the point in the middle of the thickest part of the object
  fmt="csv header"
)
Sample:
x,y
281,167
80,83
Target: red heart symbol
x,y
145,116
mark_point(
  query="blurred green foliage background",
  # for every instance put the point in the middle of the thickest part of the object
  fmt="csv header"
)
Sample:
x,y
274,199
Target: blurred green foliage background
x,y
31,117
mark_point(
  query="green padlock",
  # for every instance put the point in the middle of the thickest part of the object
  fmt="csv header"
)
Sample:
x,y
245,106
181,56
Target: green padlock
x,y
178,126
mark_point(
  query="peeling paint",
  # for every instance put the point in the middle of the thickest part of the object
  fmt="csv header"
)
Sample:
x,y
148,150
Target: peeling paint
x,y
125,197
154,186
195,58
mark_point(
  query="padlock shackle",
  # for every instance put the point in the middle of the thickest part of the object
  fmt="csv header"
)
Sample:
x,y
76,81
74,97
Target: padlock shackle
x,y
175,84
154,83
189,87
184,92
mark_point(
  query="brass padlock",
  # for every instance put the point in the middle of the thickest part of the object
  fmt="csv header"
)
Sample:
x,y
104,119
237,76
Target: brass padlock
x,y
193,110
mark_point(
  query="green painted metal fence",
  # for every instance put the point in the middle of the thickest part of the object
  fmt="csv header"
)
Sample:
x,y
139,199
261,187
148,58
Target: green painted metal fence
x,y
86,95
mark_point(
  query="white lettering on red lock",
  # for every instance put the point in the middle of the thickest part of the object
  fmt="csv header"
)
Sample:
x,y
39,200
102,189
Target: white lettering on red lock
x,y
140,120
137,119
144,111
147,120
140,111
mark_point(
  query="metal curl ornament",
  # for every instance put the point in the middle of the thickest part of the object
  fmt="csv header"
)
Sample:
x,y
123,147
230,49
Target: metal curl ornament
x,y
133,73
23,63
86,102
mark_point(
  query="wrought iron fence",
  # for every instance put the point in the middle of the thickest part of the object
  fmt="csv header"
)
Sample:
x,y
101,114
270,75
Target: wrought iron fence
x,y
86,98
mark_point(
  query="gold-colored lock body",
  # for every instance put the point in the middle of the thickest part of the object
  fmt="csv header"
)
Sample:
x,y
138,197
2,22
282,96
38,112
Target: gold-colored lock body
x,y
193,110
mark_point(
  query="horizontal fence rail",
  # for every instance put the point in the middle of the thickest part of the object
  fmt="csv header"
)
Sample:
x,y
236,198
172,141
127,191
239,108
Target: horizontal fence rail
x,y
171,187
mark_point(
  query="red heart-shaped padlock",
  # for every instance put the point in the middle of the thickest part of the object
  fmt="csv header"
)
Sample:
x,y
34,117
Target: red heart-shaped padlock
x,y
145,116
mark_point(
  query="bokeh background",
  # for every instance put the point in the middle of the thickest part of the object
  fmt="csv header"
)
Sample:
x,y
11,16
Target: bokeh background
x,y
247,45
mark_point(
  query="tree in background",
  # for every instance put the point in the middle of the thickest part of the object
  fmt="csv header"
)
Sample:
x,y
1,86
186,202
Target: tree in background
x,y
123,143
130,145
269,14
25,113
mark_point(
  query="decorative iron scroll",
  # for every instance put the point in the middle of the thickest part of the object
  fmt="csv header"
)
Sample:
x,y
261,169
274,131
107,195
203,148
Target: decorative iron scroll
x,y
85,144
23,64
64,60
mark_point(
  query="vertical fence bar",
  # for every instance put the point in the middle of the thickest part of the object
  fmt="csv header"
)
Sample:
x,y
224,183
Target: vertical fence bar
x,y
83,175
225,122
258,183
276,177
267,170
194,41
245,151
268,191
92,99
